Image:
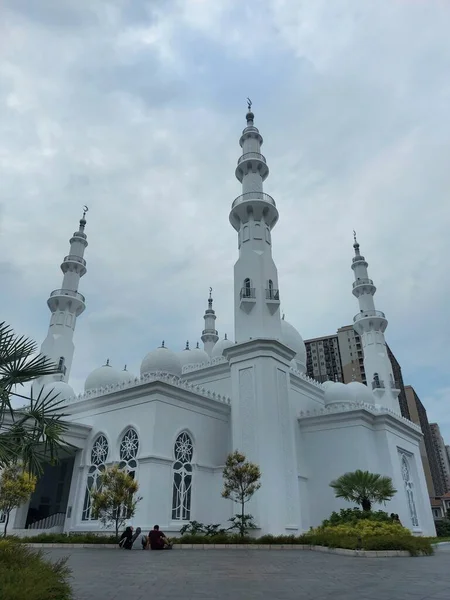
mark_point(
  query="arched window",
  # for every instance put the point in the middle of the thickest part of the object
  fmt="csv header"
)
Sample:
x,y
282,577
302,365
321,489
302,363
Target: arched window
x,y
129,447
99,454
409,489
247,289
182,478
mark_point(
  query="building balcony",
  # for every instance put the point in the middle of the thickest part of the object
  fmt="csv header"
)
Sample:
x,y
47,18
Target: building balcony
x,y
71,293
362,281
252,156
272,294
75,258
253,196
247,298
378,384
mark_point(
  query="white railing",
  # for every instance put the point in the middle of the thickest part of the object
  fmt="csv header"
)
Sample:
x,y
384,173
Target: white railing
x,y
55,520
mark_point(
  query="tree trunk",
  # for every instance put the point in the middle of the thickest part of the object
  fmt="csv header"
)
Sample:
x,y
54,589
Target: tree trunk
x,y
6,524
242,519
366,504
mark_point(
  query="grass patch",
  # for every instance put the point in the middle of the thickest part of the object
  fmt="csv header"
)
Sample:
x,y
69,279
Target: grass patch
x,y
25,574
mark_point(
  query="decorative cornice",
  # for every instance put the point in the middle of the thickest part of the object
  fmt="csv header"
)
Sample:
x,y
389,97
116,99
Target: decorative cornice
x,y
348,410
142,384
259,347
213,362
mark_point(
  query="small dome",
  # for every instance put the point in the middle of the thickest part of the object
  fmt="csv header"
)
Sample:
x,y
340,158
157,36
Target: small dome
x,y
161,360
220,346
57,390
340,393
291,338
102,377
199,355
126,376
360,392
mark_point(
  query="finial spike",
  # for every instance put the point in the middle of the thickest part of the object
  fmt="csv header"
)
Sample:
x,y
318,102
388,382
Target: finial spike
x,y
226,336
354,236
162,344
107,362
249,104
85,210
282,317
187,345
125,368
198,347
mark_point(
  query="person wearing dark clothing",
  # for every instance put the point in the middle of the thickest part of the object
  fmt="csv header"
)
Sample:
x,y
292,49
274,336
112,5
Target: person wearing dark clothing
x,y
156,540
126,539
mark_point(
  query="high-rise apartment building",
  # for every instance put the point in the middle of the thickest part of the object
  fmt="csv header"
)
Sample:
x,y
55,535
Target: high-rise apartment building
x,y
340,357
323,361
441,453
418,415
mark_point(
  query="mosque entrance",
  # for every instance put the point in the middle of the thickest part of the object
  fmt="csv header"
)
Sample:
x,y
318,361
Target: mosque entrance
x,y
48,503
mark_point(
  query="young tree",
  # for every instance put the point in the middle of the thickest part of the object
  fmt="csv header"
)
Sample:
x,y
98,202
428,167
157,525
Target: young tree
x,y
241,481
16,487
114,502
33,433
363,488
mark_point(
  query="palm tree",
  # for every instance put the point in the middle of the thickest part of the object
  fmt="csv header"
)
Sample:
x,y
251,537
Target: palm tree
x,y
32,434
363,488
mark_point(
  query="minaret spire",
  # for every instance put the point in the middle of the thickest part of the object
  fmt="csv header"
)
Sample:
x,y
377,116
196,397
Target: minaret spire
x,y
371,324
253,215
66,304
209,334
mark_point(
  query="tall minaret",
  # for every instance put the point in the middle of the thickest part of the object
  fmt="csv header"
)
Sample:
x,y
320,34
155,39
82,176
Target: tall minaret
x,y
66,304
253,215
371,324
209,334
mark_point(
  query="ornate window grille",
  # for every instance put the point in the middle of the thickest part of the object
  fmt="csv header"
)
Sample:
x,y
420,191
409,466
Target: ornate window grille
x,y
99,454
409,489
129,447
182,478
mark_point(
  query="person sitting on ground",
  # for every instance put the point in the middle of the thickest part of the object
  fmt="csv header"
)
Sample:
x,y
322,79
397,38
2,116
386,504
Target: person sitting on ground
x,y
156,540
126,539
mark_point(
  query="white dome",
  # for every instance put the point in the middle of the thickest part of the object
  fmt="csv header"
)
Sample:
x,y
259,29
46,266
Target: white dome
x,y
102,377
161,360
291,338
126,376
340,393
57,390
220,346
360,392
199,355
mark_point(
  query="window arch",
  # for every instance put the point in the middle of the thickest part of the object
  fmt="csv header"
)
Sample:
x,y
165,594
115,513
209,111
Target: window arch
x,y
182,477
409,489
99,454
129,447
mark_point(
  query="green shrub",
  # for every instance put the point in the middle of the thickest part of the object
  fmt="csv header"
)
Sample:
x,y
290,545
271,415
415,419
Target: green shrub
x,y
69,538
353,515
24,574
443,528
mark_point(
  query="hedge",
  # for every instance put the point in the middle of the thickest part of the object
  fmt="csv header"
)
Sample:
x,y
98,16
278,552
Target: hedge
x,y
414,545
25,574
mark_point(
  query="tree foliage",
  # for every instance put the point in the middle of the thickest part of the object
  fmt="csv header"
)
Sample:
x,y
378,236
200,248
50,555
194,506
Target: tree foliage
x,y
241,481
364,488
114,502
16,487
34,432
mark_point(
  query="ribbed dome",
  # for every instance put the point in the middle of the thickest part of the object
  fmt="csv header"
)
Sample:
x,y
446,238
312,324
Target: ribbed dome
x,y
57,390
291,338
102,377
161,360
220,346
340,393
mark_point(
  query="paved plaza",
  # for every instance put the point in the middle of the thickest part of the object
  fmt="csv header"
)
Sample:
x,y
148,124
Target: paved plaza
x,y
104,574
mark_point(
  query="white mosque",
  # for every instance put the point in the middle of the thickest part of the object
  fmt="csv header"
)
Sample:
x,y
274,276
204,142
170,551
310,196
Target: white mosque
x,y
173,425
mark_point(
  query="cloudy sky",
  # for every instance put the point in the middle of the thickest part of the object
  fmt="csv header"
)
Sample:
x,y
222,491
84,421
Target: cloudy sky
x,y
135,108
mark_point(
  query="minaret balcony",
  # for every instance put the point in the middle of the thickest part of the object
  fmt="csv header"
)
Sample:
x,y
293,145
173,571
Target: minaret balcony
x,y
250,155
272,299
247,298
378,384
362,281
251,162
370,320
368,313
65,292
258,204
75,258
